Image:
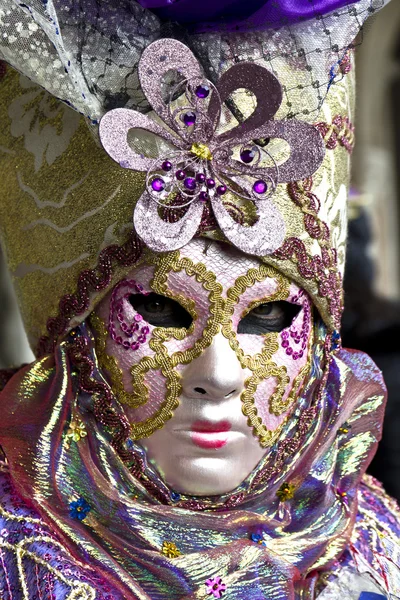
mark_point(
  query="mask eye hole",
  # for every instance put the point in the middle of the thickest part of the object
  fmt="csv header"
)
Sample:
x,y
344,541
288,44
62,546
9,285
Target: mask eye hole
x,y
161,311
268,317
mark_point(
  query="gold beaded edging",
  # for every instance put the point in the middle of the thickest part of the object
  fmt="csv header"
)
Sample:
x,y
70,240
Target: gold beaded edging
x,y
261,364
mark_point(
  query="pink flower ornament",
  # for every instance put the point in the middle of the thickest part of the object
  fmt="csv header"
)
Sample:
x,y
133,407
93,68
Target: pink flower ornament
x,y
215,587
194,163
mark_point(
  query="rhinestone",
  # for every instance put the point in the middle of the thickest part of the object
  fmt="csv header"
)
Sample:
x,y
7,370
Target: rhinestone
x,y
189,119
202,91
221,190
201,150
247,156
167,165
260,186
190,183
158,184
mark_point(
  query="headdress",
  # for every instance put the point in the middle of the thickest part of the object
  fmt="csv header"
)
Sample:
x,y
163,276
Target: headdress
x,y
280,91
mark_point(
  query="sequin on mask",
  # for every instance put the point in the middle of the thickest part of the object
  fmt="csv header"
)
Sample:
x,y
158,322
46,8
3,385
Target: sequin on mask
x,y
217,289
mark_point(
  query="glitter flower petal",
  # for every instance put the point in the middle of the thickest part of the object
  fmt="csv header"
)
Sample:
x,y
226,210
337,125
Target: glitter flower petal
x,y
201,166
215,587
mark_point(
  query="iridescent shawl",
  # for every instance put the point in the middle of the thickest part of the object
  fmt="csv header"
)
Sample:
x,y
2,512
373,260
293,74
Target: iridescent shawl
x,y
268,542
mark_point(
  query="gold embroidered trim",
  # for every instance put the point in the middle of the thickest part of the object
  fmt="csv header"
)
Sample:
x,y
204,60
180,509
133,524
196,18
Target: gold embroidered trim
x,y
79,589
11,517
260,364
277,406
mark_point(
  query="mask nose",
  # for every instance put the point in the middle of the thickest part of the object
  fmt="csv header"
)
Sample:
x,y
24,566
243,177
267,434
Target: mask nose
x,y
214,375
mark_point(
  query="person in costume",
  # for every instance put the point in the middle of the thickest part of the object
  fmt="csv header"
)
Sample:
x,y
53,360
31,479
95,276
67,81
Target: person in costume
x,y
192,426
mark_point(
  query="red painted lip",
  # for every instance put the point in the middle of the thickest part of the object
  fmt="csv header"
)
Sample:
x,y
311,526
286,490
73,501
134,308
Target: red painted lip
x,y
209,440
208,427
210,435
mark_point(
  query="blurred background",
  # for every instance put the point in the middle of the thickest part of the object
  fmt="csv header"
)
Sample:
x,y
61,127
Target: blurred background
x,y
371,321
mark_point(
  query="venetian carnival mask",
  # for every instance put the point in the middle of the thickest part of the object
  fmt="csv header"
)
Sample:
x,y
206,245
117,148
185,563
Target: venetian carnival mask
x,y
207,349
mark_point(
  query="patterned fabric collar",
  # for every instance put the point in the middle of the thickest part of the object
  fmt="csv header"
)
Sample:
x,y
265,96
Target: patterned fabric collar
x,y
300,520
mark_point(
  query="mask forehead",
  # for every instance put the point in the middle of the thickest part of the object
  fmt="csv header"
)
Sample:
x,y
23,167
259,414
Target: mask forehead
x,y
218,286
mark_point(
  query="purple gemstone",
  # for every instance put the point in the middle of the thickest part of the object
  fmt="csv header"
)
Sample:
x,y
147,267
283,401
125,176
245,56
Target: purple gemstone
x,y
221,190
203,196
247,156
180,174
189,118
202,91
158,184
166,166
200,177
190,183
210,183
260,186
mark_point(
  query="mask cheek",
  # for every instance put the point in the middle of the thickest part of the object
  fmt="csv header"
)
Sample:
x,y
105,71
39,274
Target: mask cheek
x,y
144,388
275,396
157,389
126,358
251,344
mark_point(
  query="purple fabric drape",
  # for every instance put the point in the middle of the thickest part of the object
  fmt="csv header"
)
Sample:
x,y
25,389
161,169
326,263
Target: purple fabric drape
x,y
239,14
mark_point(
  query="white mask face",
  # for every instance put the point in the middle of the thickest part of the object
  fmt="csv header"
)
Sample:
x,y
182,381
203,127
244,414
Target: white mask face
x,y
207,348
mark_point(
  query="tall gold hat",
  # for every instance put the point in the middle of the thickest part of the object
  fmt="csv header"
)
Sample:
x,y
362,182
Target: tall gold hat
x,y
66,206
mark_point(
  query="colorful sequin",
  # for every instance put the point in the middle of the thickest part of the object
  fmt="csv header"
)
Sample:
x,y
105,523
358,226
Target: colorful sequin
x,y
215,587
79,509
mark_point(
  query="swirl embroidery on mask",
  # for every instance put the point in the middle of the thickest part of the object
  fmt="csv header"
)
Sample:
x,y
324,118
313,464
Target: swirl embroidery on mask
x,y
220,312
162,360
